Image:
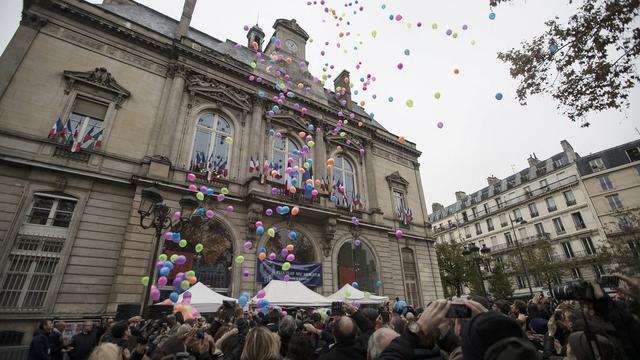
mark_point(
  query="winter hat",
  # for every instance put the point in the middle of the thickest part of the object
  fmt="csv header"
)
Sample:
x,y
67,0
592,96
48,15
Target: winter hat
x,y
582,350
539,325
512,348
484,330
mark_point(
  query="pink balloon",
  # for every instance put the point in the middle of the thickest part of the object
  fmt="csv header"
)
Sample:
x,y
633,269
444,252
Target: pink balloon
x,y
261,293
272,256
193,188
248,245
291,257
229,209
191,177
162,281
176,215
210,214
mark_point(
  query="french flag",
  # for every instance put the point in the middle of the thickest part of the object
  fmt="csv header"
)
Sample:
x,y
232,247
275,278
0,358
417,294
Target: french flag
x,y
252,165
97,140
57,128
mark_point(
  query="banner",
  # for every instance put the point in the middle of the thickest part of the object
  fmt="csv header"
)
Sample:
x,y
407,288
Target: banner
x,y
308,274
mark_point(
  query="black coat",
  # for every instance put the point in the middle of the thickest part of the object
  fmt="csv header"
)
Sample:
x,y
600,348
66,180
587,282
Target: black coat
x,y
345,351
83,344
406,347
56,343
39,349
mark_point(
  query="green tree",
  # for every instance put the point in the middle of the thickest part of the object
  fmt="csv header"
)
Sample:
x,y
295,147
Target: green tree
x,y
453,268
622,247
499,283
541,264
587,64
474,279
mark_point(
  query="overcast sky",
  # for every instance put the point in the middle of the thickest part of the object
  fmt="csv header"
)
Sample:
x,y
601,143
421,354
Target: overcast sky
x,y
481,135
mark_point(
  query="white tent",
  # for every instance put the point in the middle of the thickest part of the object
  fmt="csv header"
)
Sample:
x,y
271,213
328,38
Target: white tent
x,y
292,293
205,299
357,295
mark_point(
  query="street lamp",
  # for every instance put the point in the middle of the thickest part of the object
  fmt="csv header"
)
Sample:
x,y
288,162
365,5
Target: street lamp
x,y
515,237
478,256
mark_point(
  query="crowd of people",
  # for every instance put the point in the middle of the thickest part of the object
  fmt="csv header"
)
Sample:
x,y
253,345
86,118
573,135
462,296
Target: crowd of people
x,y
592,325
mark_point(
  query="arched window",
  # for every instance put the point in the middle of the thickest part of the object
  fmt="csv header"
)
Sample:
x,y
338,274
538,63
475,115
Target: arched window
x,y
344,174
410,277
210,150
302,247
283,149
356,263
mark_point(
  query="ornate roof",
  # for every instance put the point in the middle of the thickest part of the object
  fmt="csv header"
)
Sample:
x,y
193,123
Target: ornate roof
x,y
291,25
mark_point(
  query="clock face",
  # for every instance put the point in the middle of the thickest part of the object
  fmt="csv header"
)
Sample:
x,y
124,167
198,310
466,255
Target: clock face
x,y
291,45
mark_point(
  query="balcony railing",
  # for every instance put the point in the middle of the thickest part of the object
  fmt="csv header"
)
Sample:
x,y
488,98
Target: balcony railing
x,y
525,241
571,202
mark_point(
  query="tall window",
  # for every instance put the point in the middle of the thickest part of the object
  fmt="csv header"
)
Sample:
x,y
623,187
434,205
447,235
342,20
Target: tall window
x,y
517,214
551,204
213,264
410,277
614,202
569,198
605,183
356,263
539,229
596,164
490,224
478,228
86,123
344,174
522,233
210,149
633,154
520,282
474,211
503,220
34,257
589,249
577,220
568,250
576,273
486,206
283,149
508,238
557,223
303,247
467,232
533,210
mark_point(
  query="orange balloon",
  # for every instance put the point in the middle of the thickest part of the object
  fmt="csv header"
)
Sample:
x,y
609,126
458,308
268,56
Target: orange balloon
x,y
167,302
290,247
302,134
401,139
295,210
288,60
318,182
192,280
339,148
309,181
262,256
179,307
302,171
330,161
329,166
293,189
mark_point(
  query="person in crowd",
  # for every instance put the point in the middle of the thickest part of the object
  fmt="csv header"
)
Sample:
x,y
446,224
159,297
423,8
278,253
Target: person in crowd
x,y
118,334
286,328
106,351
379,341
345,347
56,342
300,347
40,348
83,343
261,344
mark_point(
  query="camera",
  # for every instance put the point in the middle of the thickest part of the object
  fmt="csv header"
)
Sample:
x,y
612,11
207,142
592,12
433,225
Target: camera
x,y
574,290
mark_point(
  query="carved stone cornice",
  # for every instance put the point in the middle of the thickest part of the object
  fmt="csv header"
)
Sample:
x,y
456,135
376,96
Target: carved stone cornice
x,y
328,235
33,21
98,77
179,70
198,84
396,179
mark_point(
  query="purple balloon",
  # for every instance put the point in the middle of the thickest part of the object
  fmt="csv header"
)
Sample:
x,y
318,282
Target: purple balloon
x,y
159,265
245,274
272,256
181,259
186,295
284,252
356,242
269,212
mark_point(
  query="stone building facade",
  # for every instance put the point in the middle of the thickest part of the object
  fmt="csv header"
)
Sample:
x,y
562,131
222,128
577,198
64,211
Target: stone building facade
x,y
544,203
152,96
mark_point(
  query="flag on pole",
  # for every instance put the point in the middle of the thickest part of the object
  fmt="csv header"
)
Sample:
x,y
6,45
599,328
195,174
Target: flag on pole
x,y
57,128
252,166
97,140
78,136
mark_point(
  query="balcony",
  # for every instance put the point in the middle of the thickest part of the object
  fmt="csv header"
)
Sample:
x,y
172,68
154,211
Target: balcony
x,y
571,202
552,208
523,242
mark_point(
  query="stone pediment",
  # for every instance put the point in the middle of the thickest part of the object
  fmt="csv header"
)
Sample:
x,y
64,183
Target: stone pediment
x,y
293,26
290,119
397,179
98,77
218,91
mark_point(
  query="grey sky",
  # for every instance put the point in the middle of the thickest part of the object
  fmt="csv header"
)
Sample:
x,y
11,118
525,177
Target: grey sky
x,y
481,136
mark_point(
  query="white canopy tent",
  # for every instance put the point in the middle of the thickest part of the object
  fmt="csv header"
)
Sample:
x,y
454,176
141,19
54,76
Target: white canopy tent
x,y
205,299
356,295
292,293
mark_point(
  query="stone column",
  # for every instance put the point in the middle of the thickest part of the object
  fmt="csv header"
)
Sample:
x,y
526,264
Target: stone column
x,y
372,192
320,155
171,110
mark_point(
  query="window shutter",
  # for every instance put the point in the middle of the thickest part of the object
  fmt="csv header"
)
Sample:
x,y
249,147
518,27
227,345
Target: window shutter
x,y
89,108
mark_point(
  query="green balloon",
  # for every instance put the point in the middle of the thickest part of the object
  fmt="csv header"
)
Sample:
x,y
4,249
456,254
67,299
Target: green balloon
x,y
184,285
347,293
240,259
271,232
346,122
367,295
311,143
343,134
145,280
199,247
173,257
190,274
200,196
182,243
286,266
162,257
225,191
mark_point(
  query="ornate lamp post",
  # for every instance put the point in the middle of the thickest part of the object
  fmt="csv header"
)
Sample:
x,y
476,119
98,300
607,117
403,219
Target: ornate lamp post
x,y
478,256
154,213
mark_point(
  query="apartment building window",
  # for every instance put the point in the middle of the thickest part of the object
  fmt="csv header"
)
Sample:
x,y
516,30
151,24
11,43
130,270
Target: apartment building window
x,y
543,184
569,198
598,270
614,202
539,229
451,236
284,148
557,224
575,272
520,282
508,238
527,191
467,232
503,220
533,210
568,250
517,214
499,261
605,183
86,123
465,218
486,208
634,154
493,240
36,253
577,220
596,164
589,249
490,224
551,204
624,222
474,211
498,202
211,152
634,246
522,233
410,275
478,228
344,172
537,281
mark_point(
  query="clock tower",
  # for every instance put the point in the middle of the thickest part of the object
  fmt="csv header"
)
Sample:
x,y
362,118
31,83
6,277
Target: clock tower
x,y
293,39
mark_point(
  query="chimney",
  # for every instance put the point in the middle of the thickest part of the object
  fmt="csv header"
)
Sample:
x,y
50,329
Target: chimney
x,y
568,150
341,86
435,207
255,34
533,160
492,180
185,19
460,195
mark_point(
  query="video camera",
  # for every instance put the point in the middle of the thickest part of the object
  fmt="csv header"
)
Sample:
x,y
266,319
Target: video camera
x,y
581,290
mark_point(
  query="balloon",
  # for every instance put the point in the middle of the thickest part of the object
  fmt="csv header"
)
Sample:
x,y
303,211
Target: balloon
x,y
286,266
401,305
165,271
269,212
247,245
449,32
191,177
154,293
242,301
173,296
354,284
295,211
378,284
492,16
284,252
499,96
192,280
162,281
272,256
271,232
228,140
434,26
162,257
184,284
286,277
199,196
367,295
374,34
437,95
245,274
400,66
199,248
263,304
347,293
291,257
293,235
261,293
181,259
176,215
220,197
409,103
225,191
357,242
284,210
398,234
262,256
440,125
290,248
239,259
173,257
190,274
168,235
182,243
193,188
407,52
293,189
145,280
229,209
456,71
401,140
259,230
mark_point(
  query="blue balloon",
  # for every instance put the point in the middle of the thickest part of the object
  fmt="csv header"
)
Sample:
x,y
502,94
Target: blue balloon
x,y
492,16
354,284
262,249
284,210
401,305
293,235
499,96
209,192
176,236
310,127
261,93
260,230
242,300
390,99
168,264
308,186
378,284
165,271
174,296
334,198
